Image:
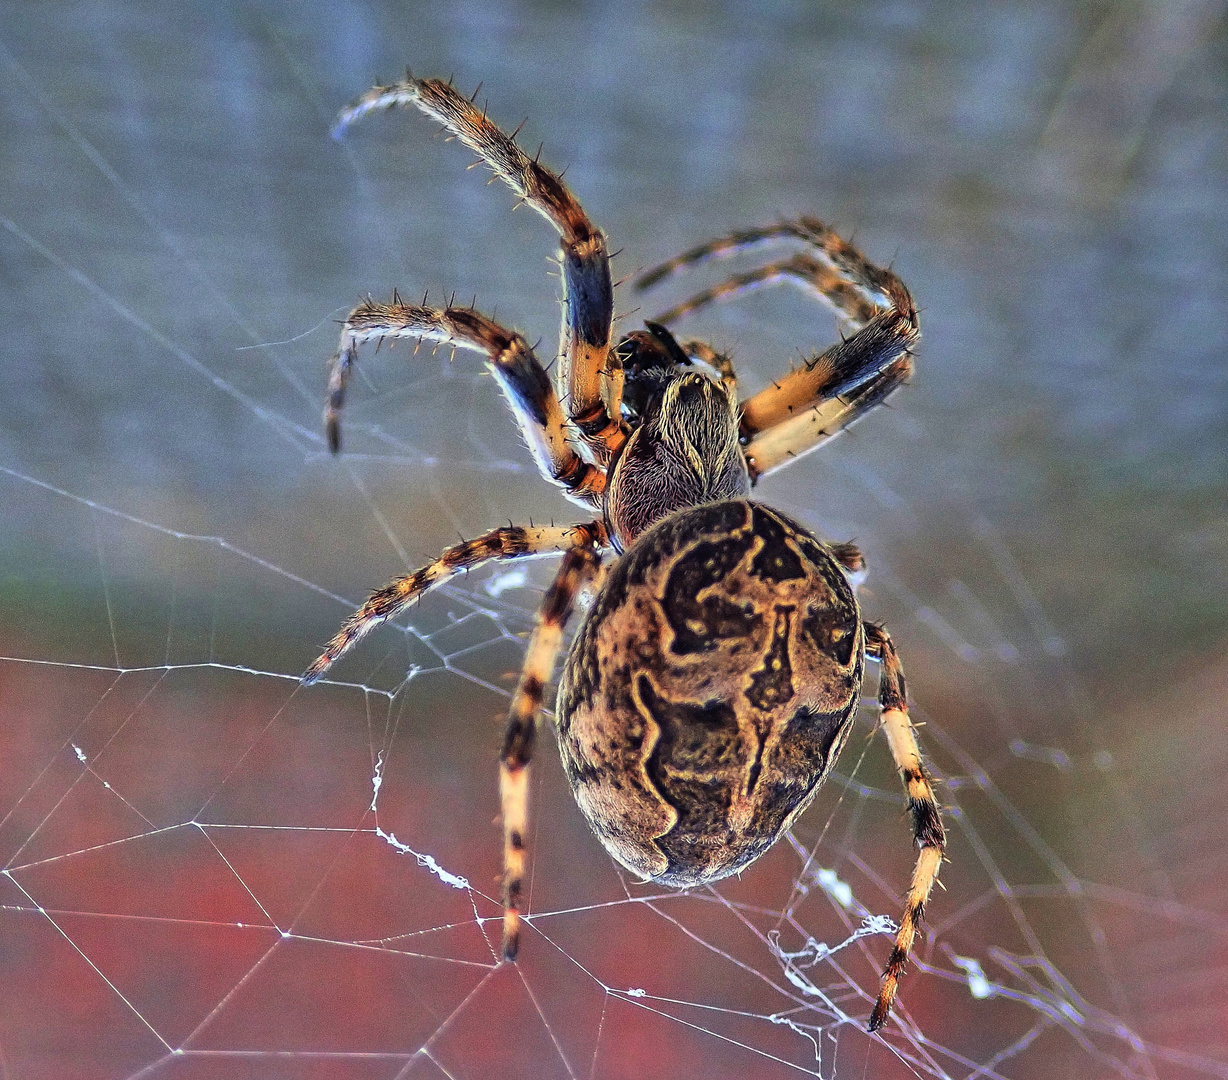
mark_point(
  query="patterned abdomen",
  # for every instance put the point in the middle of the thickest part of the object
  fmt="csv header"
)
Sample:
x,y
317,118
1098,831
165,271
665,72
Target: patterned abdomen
x,y
709,690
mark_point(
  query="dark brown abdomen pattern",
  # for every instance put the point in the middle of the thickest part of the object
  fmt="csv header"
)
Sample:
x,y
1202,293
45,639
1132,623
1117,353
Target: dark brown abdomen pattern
x,y
709,690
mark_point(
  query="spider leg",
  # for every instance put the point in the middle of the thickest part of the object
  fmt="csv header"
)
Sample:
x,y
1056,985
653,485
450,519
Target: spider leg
x,y
518,372
722,247
927,830
511,542
808,230
831,390
849,556
580,566
818,279
594,406
812,424
867,281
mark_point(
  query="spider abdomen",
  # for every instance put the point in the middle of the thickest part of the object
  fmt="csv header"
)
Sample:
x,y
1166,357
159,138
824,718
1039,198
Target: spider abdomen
x,y
709,690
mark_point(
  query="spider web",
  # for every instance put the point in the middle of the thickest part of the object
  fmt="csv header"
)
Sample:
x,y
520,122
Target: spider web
x,y
209,871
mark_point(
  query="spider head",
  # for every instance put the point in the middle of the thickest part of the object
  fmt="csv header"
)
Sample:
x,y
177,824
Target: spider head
x,y
683,450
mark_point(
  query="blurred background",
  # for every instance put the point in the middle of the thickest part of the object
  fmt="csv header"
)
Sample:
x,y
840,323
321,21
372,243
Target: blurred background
x,y
210,872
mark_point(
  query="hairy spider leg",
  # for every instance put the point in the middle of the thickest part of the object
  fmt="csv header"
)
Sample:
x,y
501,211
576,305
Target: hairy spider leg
x,y
927,830
828,392
509,542
845,279
835,251
518,372
590,372
580,568
838,372
806,427
818,279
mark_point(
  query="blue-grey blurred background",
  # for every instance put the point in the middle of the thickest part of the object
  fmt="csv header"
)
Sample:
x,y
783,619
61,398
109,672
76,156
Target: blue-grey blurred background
x,y
190,861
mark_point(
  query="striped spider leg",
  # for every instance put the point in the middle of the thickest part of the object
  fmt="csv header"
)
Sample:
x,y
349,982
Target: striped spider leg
x,y
589,371
509,542
580,566
927,830
579,572
517,370
831,390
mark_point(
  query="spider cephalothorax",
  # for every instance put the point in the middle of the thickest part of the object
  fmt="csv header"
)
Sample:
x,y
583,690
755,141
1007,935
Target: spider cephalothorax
x,y
716,675
682,451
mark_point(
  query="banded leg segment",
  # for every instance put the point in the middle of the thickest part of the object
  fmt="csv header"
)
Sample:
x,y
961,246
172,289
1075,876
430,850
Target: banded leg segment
x,y
722,247
838,372
511,542
592,371
580,566
809,427
831,390
867,280
517,370
587,288
819,280
928,833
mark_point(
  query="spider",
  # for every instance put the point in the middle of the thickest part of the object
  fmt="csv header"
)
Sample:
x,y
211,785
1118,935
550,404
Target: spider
x,y
717,671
